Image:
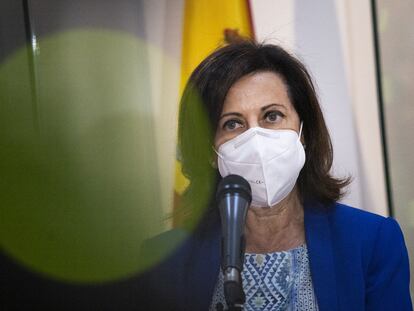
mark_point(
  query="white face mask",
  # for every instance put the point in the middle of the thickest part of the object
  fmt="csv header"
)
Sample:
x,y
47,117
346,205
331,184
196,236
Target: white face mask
x,y
270,160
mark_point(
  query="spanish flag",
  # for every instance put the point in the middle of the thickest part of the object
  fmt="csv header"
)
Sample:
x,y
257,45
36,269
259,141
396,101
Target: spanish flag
x,y
208,24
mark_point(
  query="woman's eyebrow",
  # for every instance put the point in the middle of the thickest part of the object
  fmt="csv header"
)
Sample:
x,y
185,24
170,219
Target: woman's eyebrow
x,y
273,104
262,109
230,114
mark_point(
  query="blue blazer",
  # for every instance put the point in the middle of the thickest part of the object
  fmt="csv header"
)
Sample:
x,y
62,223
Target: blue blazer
x,y
358,261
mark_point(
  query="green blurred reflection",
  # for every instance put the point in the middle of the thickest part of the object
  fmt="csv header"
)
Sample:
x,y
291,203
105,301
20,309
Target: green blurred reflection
x,y
80,192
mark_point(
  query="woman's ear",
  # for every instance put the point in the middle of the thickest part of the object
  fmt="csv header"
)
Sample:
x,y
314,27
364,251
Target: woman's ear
x,y
213,160
213,157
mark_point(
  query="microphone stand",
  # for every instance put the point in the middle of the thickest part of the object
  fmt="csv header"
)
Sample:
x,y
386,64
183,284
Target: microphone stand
x,y
233,289
220,307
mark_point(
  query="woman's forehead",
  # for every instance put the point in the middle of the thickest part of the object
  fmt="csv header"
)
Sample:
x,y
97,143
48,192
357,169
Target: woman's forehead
x,y
255,91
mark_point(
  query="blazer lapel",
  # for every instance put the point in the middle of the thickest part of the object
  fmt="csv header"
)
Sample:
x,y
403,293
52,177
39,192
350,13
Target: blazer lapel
x,y
321,260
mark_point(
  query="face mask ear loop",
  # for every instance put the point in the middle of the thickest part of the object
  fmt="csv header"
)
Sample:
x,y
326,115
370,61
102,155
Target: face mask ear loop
x,y
300,134
218,154
300,129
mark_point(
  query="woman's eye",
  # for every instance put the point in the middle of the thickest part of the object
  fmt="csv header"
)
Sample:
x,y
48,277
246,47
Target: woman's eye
x,y
231,125
273,116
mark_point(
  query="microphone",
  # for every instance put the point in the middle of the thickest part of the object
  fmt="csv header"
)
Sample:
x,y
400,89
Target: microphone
x,y
233,198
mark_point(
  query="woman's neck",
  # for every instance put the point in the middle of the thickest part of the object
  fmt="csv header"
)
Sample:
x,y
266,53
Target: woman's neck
x,y
278,228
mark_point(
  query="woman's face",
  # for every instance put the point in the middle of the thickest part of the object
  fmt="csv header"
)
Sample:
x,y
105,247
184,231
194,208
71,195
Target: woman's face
x,y
256,100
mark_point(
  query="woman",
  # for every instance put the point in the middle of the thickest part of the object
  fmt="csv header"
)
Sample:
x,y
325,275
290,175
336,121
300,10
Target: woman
x,y
304,251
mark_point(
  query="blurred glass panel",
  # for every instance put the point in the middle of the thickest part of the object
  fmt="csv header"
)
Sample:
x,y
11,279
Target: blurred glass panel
x,y
396,41
80,186
88,120
83,143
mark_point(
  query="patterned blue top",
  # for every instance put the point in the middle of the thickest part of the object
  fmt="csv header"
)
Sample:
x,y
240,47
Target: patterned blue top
x,y
274,281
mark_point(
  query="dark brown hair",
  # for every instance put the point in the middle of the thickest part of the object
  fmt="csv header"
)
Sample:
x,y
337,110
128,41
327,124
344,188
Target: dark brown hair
x,y
202,103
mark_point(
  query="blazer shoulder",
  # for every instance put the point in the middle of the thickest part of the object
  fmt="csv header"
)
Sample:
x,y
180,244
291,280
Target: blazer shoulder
x,y
167,247
172,236
355,218
357,231
380,237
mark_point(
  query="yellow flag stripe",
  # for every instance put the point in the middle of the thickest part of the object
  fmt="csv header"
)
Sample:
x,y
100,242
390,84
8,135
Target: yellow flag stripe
x,y
205,24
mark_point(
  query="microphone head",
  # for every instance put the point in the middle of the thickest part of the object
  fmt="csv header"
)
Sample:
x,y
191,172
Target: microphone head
x,y
234,184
